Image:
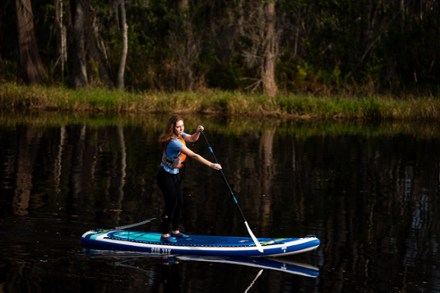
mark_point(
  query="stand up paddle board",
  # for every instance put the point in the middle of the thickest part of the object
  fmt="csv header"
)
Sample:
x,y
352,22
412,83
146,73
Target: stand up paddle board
x,y
235,246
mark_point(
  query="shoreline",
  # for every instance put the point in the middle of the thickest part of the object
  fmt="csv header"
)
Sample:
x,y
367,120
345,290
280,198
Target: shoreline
x,y
20,98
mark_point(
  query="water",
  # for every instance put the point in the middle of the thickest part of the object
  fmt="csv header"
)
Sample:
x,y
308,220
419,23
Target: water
x,y
369,192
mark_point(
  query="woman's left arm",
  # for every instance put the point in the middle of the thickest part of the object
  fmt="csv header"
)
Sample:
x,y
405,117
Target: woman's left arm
x,y
196,135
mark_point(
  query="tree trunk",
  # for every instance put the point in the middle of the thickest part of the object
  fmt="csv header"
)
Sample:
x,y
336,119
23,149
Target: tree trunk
x,y
61,36
185,48
261,49
269,51
79,51
32,69
124,31
96,52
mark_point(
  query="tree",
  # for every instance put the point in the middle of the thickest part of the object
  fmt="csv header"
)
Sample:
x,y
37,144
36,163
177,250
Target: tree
x,y
89,55
61,36
79,67
269,51
122,21
32,69
184,48
258,27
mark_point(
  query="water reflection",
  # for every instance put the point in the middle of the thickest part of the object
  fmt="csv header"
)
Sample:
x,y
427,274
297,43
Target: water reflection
x,y
369,192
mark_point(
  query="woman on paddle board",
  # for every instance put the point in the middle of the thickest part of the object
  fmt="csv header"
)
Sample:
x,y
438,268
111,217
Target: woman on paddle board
x,y
174,154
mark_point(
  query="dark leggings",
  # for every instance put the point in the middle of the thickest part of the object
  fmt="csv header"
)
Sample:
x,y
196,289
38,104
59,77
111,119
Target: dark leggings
x,y
172,193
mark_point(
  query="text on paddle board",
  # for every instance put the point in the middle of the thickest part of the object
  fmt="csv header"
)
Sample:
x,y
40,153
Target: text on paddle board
x,y
159,250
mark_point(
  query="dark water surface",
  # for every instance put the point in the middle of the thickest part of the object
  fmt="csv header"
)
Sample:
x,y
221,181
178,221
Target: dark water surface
x,y
369,192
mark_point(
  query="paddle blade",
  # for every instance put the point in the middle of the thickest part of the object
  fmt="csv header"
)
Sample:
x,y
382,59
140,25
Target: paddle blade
x,y
257,243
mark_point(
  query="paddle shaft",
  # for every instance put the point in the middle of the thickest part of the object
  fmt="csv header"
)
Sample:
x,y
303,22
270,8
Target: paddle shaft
x,y
234,198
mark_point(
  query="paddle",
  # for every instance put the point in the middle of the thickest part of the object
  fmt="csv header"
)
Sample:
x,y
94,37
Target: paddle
x,y
259,247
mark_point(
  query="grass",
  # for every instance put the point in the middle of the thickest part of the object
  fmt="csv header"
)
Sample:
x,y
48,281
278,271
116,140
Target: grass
x,y
19,98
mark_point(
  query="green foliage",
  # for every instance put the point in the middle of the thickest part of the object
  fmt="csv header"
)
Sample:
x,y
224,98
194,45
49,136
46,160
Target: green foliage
x,y
324,47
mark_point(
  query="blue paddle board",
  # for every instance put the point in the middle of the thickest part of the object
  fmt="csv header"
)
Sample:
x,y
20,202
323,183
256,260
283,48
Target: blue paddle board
x,y
196,244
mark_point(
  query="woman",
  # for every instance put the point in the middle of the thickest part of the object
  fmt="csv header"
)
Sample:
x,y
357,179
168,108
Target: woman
x,y
174,153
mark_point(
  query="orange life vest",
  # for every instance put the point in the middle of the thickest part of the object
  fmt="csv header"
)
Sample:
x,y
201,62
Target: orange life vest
x,y
177,162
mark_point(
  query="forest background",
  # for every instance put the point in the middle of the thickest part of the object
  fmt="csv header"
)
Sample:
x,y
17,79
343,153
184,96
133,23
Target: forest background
x,y
323,47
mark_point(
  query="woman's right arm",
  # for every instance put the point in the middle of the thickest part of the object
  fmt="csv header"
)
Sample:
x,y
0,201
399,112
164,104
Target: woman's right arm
x,y
199,158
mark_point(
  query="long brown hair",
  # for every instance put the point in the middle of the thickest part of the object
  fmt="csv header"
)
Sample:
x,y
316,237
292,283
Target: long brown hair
x,y
168,132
